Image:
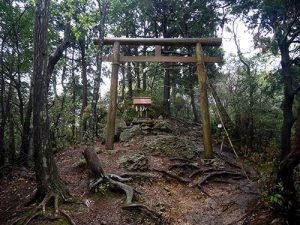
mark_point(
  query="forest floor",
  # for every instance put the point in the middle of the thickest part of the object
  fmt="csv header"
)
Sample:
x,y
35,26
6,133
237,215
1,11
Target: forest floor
x,y
177,198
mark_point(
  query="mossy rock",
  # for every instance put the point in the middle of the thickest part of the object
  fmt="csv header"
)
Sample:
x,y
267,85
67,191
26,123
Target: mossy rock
x,y
172,146
162,126
136,162
129,133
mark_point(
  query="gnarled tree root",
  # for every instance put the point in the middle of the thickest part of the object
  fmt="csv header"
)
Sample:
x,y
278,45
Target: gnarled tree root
x,y
151,213
216,174
183,165
40,210
115,182
174,176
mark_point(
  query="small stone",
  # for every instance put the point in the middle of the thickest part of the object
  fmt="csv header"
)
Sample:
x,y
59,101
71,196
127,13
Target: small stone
x,y
126,144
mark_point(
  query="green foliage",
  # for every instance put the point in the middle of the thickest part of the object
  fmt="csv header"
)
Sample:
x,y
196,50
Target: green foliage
x,y
129,112
253,101
276,201
267,164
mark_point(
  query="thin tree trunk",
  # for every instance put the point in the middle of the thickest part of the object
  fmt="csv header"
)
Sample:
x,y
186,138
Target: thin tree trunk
x,y
84,88
173,94
26,154
144,79
194,108
166,97
144,72
2,104
73,98
12,143
129,79
97,78
137,72
138,78
123,86
19,91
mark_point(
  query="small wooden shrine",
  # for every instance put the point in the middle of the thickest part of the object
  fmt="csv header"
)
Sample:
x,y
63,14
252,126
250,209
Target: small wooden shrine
x,y
141,105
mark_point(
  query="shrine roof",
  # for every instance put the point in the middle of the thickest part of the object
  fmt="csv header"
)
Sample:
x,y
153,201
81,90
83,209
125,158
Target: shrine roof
x,y
142,101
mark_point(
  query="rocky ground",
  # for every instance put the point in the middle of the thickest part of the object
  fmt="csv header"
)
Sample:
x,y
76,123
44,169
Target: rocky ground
x,y
177,186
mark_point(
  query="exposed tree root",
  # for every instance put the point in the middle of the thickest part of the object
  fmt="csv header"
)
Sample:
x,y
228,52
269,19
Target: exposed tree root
x,y
115,182
216,174
40,210
174,176
70,220
119,178
151,213
227,160
202,170
185,165
136,174
126,188
181,159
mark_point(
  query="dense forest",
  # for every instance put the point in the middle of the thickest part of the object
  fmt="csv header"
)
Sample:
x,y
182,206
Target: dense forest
x,y
53,99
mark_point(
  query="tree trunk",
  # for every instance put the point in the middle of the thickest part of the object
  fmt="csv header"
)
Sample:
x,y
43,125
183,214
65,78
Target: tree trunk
x,y
287,105
123,86
47,178
97,78
26,154
20,95
73,98
286,174
137,72
194,108
166,97
129,79
144,72
138,78
84,88
5,112
12,143
144,77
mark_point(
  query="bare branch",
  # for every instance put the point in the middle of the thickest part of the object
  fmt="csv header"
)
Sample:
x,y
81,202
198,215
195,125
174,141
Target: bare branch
x,y
296,61
240,54
293,36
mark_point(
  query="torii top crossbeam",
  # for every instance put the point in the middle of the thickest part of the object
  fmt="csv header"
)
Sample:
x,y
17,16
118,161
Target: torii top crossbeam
x,y
162,41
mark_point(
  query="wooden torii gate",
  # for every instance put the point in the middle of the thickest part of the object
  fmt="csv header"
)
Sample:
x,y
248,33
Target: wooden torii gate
x,y
199,59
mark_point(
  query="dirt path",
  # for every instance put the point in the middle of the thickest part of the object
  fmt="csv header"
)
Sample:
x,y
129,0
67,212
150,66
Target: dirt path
x,y
225,200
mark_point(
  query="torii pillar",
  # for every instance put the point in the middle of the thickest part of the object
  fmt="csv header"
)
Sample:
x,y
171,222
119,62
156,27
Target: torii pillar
x,y
112,109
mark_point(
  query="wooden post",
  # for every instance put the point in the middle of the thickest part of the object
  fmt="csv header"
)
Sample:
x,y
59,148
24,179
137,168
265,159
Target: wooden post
x,y
110,132
203,102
